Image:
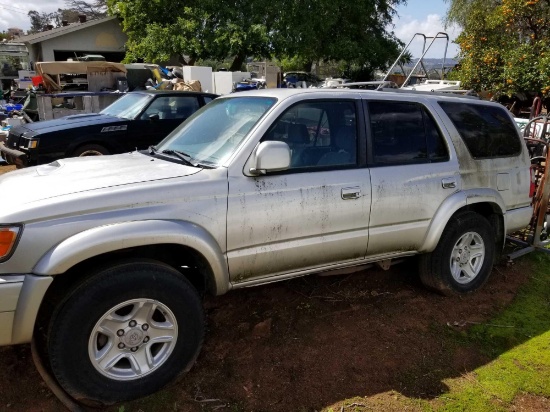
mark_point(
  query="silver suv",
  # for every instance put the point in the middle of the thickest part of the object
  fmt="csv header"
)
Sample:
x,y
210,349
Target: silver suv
x,y
112,253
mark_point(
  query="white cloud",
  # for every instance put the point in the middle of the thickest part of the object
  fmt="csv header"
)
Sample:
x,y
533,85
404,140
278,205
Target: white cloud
x,y
406,27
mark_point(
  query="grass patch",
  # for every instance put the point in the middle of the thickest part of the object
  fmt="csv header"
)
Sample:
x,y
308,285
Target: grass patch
x,y
518,342
519,345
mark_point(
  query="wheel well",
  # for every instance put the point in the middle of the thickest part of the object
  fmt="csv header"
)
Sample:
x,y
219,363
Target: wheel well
x,y
493,213
107,146
187,261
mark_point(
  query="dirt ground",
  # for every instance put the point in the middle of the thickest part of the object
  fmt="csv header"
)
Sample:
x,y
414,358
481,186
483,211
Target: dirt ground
x,y
310,343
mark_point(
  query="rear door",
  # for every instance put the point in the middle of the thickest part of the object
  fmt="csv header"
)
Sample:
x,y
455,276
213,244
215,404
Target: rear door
x,y
491,139
413,170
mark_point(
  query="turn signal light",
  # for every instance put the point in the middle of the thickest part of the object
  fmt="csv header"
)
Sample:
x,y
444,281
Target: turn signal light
x,y
8,236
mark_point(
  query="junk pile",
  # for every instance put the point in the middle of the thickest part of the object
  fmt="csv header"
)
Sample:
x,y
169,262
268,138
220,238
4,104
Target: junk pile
x,y
63,88
11,114
170,78
536,132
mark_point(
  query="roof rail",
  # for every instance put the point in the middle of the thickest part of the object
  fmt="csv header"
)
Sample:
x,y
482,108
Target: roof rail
x,y
467,94
371,85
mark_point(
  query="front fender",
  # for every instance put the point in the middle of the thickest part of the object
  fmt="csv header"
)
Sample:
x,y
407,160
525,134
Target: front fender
x,y
454,203
108,238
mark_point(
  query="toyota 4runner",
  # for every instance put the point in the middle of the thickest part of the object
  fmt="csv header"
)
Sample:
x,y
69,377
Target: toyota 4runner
x,y
112,253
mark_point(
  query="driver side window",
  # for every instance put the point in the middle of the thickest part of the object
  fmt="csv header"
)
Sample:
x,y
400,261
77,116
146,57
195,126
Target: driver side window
x,y
319,134
161,106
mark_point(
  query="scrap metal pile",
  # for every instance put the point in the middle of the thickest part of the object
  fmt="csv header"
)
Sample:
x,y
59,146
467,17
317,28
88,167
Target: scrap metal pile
x,y
536,133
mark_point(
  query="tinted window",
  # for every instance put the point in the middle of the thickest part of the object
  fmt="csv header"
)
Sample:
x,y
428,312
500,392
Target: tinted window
x,y
404,133
319,134
486,130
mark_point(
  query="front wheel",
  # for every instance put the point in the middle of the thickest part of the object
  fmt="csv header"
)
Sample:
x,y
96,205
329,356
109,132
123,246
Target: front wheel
x,y
125,332
463,259
90,150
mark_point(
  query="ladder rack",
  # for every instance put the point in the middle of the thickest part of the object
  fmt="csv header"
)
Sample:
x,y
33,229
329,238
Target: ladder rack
x,y
420,62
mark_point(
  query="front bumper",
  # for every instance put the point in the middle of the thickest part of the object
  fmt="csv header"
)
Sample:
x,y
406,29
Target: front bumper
x,y
20,299
12,156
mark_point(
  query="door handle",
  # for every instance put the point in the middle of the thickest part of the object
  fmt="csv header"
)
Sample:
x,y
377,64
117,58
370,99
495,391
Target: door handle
x,y
448,183
351,193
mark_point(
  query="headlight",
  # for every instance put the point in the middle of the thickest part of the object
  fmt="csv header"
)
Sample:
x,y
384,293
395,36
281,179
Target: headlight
x,y
8,238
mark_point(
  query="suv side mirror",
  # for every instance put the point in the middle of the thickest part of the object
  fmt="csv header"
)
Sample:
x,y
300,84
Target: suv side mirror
x,y
271,156
154,117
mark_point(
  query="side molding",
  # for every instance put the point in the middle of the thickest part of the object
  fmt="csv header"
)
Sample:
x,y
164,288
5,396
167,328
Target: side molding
x,y
108,238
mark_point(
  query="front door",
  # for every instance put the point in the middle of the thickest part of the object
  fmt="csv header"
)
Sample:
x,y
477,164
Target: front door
x,y
316,213
170,111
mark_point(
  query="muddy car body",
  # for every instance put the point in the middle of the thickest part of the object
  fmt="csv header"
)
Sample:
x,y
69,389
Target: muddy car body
x,y
111,253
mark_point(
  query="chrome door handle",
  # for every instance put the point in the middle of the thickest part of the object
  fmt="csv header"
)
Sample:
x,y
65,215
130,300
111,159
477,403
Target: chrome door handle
x,y
351,193
448,183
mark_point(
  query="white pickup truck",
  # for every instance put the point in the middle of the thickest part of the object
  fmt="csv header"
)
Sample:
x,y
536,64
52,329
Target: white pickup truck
x,y
103,259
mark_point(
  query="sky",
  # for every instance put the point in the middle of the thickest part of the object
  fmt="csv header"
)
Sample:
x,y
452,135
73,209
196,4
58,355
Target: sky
x,y
423,16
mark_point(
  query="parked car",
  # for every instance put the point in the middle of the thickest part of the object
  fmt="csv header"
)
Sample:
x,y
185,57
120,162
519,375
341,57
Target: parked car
x,y
135,121
248,84
301,79
104,259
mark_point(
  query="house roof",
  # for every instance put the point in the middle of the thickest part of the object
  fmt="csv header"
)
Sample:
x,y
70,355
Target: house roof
x,y
60,31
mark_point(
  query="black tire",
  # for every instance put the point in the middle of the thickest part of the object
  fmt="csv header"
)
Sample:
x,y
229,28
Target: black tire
x,y
73,338
436,269
90,150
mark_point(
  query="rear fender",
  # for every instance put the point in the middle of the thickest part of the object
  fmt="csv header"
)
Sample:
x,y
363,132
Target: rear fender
x,y
454,203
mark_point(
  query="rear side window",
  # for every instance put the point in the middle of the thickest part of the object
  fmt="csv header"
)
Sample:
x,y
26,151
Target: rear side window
x,y
404,133
487,131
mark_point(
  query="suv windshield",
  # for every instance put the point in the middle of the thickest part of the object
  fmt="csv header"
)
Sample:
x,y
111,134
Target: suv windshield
x,y
128,106
213,133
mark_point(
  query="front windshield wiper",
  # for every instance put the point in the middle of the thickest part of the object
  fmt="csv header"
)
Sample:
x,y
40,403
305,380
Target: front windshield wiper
x,y
206,166
152,149
184,157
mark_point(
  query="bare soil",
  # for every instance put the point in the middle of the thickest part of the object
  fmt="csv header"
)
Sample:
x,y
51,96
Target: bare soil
x,y
310,343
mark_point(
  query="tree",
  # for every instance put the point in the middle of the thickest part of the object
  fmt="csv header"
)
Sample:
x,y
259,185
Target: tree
x,y
207,29
94,10
39,20
339,30
312,30
505,46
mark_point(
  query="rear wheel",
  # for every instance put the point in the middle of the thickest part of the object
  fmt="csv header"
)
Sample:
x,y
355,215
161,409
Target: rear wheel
x,y
463,259
125,332
90,150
